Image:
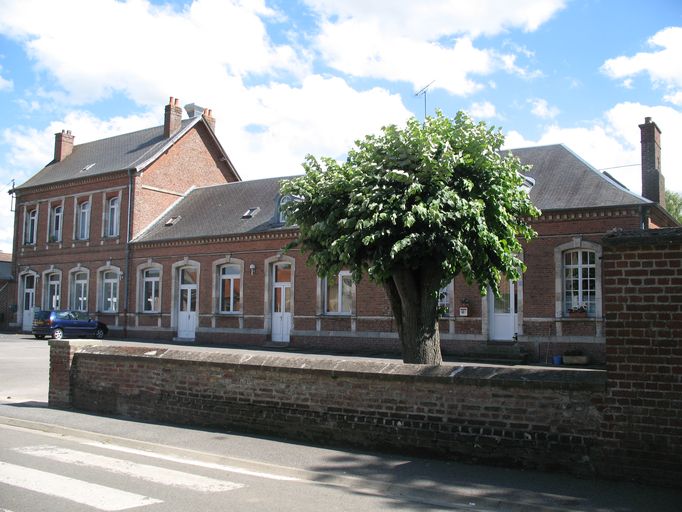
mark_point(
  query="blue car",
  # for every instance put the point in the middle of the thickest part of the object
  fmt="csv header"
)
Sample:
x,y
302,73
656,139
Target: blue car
x,y
66,324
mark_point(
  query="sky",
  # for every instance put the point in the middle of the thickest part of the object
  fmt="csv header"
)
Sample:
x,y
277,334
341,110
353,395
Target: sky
x,y
286,78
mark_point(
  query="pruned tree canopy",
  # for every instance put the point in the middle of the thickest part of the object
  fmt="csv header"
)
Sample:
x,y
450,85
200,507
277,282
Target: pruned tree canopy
x,y
412,208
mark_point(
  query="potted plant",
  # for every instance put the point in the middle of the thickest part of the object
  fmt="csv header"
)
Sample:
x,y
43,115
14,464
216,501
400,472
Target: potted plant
x,y
575,356
579,311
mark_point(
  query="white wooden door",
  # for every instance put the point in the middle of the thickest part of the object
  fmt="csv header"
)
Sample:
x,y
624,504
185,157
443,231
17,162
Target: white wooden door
x,y
187,306
504,315
281,302
28,302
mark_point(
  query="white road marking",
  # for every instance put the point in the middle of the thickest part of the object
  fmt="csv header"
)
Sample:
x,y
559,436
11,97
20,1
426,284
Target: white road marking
x,y
193,462
146,472
92,495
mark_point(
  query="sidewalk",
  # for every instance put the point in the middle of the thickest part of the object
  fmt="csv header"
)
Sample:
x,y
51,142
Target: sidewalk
x,y
447,484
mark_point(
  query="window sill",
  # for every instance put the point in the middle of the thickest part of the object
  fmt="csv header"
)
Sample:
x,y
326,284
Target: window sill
x,y
229,313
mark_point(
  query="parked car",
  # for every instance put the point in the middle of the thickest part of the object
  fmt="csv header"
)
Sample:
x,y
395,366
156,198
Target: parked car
x,y
66,324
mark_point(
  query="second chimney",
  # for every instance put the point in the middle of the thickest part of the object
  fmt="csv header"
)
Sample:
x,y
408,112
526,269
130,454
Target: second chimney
x,y
653,182
63,145
208,117
172,119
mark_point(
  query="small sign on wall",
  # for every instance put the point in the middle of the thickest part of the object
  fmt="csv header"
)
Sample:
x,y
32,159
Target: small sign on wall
x,y
464,311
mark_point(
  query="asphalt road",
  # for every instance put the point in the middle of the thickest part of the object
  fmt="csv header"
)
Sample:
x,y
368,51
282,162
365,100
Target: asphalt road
x,y
68,461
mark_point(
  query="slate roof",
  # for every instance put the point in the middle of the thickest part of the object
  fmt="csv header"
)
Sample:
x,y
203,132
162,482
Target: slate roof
x,y
218,210
128,151
565,181
562,181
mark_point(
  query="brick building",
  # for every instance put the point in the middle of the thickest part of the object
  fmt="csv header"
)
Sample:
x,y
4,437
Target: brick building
x,y
156,233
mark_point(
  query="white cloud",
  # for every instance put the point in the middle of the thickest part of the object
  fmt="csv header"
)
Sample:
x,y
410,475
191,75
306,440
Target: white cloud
x,y
5,84
417,42
663,64
542,109
197,49
483,110
614,141
433,19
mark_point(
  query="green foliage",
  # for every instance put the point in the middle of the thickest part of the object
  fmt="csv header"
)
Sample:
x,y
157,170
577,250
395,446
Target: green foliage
x,y
673,203
437,194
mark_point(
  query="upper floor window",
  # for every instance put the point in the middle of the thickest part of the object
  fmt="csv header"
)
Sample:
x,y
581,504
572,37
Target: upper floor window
x,y
112,217
83,221
30,226
151,287
580,281
444,301
79,291
338,293
56,218
282,215
109,297
230,289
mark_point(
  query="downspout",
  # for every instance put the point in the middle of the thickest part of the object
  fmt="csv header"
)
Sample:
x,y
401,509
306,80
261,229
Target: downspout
x,y
129,227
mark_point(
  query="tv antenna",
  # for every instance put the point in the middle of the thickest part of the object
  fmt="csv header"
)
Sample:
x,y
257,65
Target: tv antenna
x,y
423,92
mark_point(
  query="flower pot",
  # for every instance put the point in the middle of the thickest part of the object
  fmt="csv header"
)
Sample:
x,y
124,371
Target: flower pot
x,y
577,314
576,359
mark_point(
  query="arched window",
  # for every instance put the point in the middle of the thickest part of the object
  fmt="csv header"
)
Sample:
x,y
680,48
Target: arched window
x,y
230,289
282,215
109,297
151,288
30,226
53,291
112,219
580,281
79,291
56,215
83,221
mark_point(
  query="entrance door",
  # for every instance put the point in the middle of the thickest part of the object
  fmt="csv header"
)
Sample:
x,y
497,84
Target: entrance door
x,y
28,302
187,307
504,317
281,302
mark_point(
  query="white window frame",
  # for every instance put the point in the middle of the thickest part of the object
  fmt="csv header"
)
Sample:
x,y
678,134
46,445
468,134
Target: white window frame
x,y
235,289
56,223
561,311
153,306
342,308
83,220
113,217
281,216
79,290
30,226
445,295
109,290
52,298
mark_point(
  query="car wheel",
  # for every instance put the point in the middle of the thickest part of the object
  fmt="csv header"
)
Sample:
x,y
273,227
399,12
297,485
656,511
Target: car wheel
x,y
57,334
39,336
99,333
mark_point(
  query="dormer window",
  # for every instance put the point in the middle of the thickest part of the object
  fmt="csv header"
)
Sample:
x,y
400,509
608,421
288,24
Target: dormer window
x,y
282,215
248,214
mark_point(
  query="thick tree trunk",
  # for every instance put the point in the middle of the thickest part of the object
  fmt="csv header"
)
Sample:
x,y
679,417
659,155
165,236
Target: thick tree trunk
x,y
413,294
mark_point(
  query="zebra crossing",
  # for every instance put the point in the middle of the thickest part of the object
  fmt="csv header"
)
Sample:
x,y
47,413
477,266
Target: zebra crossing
x,y
97,496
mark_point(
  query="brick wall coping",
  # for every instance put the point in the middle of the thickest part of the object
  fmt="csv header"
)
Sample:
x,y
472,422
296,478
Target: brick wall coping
x,y
462,373
618,237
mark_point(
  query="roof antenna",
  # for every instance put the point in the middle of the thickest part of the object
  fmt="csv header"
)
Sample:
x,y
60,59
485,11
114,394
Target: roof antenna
x,y
423,92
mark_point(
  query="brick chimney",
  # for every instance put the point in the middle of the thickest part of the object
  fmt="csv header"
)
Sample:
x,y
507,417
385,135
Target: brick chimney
x,y
208,117
653,182
172,119
63,145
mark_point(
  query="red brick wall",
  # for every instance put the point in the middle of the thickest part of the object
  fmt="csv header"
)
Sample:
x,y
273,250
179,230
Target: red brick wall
x,y
643,419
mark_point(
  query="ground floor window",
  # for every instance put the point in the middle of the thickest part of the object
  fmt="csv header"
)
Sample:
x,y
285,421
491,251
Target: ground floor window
x,y
151,297
338,293
230,289
109,299
79,293
53,291
580,281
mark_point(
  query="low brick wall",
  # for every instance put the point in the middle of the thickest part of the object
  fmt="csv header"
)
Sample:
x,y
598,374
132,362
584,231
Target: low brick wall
x,y
523,417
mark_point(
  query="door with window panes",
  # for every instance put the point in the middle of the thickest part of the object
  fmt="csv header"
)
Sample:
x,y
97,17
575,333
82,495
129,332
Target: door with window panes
x,y
28,301
504,311
281,302
187,305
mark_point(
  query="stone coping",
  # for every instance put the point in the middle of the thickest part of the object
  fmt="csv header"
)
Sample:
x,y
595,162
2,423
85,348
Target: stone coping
x,y
337,367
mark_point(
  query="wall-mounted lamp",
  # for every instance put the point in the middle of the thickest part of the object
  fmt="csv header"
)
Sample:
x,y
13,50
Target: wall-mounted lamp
x,y
252,268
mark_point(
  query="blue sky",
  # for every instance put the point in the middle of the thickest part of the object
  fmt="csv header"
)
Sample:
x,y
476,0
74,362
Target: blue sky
x,y
285,78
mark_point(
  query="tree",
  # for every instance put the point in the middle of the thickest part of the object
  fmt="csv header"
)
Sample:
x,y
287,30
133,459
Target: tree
x,y
673,203
412,208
